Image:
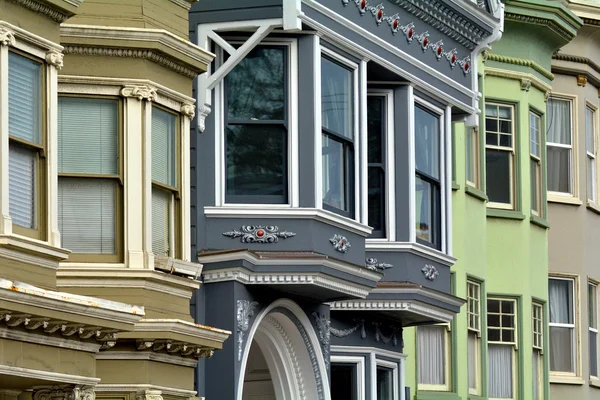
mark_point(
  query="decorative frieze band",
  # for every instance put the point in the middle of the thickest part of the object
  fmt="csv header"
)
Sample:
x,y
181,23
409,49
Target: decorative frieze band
x,y
7,37
43,9
259,234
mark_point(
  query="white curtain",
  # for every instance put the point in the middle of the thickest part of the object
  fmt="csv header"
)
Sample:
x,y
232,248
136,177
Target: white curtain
x,y
560,293
500,374
431,354
536,374
559,131
472,357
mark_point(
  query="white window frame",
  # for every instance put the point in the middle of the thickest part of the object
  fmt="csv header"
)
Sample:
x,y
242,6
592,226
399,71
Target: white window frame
x,y
444,116
513,157
593,378
388,153
474,133
137,239
446,387
569,377
572,197
514,345
538,160
540,346
593,155
477,331
359,361
395,376
292,142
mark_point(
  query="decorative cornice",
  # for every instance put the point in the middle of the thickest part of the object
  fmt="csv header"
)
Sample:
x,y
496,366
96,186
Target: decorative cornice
x,y
551,24
7,37
522,77
173,348
522,62
43,9
141,92
149,356
576,59
414,307
55,58
151,55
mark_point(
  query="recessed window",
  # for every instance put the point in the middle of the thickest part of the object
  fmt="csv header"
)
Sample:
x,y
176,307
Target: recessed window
x,y
561,293
500,154
376,115
433,355
337,119
474,334
535,163
385,383
502,341
90,178
537,323
593,328
344,382
590,147
26,154
559,144
256,128
427,179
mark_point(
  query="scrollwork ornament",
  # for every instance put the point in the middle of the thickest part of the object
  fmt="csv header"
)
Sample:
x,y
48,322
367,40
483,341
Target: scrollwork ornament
x,y
63,393
323,325
245,311
340,243
7,38
203,112
430,272
189,110
55,58
372,264
141,92
149,395
259,234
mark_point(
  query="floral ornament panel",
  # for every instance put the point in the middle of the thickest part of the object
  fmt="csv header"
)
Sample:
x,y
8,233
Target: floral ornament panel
x,y
340,243
259,234
430,272
410,33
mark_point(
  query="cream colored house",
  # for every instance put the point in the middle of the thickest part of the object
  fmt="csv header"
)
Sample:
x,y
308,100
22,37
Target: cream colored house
x,y
95,109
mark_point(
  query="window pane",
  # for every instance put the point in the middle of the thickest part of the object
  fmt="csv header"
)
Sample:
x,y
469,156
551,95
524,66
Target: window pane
x,y
593,306
559,169
385,388
593,353
256,160
425,209
470,148
375,132
22,185
534,189
560,293
336,98
256,86
87,215
334,174
558,118
561,349
88,136
427,142
163,147
589,130
24,98
534,134
472,357
376,202
591,178
161,211
343,382
431,354
537,376
498,170
500,371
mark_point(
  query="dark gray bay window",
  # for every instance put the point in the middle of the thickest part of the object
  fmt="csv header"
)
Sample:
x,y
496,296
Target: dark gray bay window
x,y
427,180
337,120
256,128
376,117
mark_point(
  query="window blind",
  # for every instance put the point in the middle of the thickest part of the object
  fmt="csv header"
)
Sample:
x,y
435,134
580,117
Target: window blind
x,y
87,215
161,201
21,185
163,147
24,98
88,136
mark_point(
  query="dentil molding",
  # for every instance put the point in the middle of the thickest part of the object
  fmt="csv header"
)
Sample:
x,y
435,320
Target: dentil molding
x,y
43,9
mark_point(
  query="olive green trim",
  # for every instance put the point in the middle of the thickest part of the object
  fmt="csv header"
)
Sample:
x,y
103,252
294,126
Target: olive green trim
x,y
539,222
521,354
484,338
507,214
478,194
453,340
523,62
437,396
474,397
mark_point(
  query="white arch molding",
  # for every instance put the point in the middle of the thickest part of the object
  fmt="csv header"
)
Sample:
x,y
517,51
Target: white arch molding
x,y
294,373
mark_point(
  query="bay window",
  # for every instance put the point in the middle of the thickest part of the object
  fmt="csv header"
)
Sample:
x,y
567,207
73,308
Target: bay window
x,y
535,163
90,182
376,132
593,328
559,144
165,183
500,155
256,128
428,177
27,145
590,147
537,324
433,357
338,135
502,343
473,336
563,347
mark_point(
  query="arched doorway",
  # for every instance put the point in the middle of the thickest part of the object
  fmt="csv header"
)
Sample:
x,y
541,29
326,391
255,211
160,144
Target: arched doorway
x,y
282,359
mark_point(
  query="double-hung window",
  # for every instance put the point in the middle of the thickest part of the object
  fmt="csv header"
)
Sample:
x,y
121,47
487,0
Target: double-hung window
x,y
537,326
376,134
256,128
590,148
535,161
338,128
559,144
433,357
26,127
472,155
427,177
563,347
165,183
502,344
474,335
500,155
593,328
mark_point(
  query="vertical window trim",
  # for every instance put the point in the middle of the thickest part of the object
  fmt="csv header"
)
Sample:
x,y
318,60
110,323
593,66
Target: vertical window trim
x,y
537,317
515,345
360,363
446,387
514,171
120,192
474,133
595,378
538,160
593,155
393,366
477,331
353,188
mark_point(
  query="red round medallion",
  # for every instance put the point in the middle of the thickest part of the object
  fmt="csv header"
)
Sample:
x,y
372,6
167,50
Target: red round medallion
x,y
260,233
425,41
363,4
439,50
410,33
467,66
453,59
396,23
380,14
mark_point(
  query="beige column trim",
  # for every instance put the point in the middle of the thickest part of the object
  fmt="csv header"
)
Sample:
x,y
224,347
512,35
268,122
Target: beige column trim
x,y
52,69
147,183
187,111
7,38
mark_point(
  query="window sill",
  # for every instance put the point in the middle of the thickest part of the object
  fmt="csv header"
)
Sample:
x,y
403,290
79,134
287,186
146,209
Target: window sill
x,y
595,382
36,247
506,214
431,395
478,194
564,199
541,222
593,206
455,186
566,380
476,397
